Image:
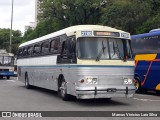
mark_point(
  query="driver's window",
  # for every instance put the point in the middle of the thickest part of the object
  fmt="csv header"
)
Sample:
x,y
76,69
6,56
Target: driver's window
x,y
68,51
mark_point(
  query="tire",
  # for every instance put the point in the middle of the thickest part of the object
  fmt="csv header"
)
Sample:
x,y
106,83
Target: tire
x,y
8,77
137,85
63,90
27,85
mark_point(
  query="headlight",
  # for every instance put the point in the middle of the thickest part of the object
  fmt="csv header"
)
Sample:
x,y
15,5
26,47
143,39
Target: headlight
x,y
127,81
91,81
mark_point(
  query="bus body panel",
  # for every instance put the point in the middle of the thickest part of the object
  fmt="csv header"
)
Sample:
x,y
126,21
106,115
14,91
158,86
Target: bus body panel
x,y
146,48
46,76
148,72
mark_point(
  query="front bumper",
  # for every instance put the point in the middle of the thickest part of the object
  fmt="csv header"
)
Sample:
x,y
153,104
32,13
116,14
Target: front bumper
x,y
6,73
104,92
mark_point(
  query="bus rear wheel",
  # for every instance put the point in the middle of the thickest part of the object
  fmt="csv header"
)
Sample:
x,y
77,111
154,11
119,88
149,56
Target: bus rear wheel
x,y
8,77
63,90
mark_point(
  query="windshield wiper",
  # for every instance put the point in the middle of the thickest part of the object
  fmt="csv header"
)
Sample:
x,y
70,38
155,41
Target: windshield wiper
x,y
100,53
116,50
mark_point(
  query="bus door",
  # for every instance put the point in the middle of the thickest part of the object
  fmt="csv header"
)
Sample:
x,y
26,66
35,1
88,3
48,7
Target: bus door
x,y
67,59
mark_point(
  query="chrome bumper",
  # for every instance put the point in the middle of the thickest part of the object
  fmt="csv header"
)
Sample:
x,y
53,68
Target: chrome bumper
x,y
107,92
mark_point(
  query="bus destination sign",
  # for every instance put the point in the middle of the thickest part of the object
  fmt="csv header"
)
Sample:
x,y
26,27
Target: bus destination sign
x,y
106,33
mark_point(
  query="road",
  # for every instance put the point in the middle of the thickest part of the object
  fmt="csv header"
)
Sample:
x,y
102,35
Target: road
x,y
15,97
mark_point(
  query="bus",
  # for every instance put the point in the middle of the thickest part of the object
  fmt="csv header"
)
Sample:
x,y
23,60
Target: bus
x,y
6,64
146,49
85,61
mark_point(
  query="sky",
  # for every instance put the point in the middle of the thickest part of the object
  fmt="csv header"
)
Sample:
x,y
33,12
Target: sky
x,y
23,13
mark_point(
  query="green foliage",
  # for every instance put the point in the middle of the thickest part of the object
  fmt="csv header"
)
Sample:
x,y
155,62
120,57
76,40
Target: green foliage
x,y
151,23
126,15
5,39
71,12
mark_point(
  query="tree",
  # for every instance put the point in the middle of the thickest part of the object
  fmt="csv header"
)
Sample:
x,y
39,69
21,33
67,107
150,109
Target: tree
x,y
126,15
5,39
72,12
151,23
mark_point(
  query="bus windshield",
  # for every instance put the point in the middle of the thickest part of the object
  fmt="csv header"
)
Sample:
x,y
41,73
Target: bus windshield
x,y
104,48
6,61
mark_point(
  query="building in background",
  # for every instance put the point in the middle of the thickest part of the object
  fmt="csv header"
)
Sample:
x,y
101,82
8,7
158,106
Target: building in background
x,y
32,25
38,10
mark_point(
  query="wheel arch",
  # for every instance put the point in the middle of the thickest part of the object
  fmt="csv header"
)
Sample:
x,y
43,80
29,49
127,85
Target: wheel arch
x,y
26,74
137,76
60,77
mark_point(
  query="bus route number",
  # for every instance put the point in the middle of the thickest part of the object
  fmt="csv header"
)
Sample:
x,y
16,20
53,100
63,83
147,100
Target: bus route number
x,y
86,33
125,35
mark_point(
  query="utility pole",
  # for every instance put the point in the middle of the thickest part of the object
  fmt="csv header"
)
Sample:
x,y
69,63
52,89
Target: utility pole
x,y
10,42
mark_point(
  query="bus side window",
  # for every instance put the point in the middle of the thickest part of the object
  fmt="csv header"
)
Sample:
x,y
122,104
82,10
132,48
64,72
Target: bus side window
x,y
71,48
68,51
55,46
24,52
37,49
20,53
30,51
45,47
63,50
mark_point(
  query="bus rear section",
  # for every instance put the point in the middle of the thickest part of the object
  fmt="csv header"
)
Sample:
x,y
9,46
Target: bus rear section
x,y
147,59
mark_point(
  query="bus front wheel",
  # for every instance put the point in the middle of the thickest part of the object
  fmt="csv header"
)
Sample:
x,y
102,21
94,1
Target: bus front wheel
x,y
137,84
63,90
8,77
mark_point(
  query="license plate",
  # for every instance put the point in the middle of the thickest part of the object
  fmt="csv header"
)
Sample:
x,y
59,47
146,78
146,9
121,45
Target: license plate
x,y
111,90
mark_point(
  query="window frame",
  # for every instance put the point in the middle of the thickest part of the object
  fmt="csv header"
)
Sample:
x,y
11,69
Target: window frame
x,y
59,46
43,51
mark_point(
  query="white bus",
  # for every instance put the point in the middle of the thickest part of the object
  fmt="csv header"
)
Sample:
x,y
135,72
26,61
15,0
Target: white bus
x,y
6,64
86,61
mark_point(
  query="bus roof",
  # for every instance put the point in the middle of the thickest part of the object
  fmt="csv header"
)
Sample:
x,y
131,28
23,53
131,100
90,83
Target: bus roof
x,y
72,30
151,33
